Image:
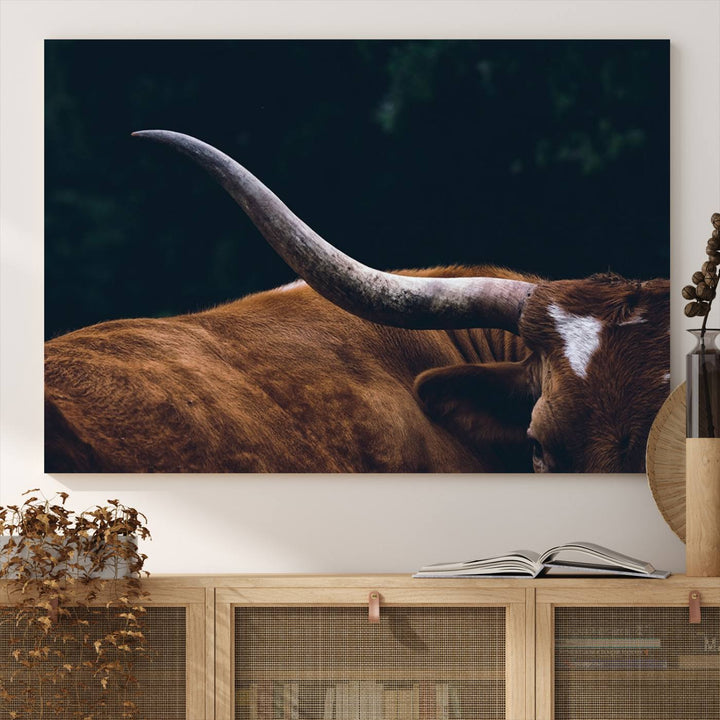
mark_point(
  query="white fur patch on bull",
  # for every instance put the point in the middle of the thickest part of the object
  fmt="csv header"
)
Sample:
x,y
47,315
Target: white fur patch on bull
x,y
637,319
581,335
291,286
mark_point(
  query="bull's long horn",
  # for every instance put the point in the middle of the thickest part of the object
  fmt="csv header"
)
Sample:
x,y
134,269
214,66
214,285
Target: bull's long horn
x,y
399,300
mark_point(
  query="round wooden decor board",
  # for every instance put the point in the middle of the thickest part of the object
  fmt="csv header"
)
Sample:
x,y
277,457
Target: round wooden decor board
x,y
665,460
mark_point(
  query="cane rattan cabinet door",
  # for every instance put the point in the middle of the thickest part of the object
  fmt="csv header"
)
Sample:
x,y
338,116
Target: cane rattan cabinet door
x,y
57,675
624,660
323,660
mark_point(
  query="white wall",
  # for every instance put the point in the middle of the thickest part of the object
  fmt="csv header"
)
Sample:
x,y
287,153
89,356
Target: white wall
x,y
350,523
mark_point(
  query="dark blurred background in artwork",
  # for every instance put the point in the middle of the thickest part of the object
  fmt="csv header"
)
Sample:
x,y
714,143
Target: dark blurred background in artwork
x,y
545,156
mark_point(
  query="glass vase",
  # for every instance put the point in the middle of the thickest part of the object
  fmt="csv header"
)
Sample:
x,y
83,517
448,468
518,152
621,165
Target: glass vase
x,y
703,386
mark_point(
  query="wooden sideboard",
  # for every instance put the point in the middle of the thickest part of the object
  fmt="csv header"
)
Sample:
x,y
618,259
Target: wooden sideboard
x,y
265,647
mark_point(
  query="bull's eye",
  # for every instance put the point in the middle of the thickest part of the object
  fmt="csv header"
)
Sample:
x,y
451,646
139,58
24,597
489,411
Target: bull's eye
x,y
537,450
541,459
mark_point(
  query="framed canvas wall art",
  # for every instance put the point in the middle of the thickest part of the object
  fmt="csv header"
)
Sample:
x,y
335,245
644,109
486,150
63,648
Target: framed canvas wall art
x,y
492,297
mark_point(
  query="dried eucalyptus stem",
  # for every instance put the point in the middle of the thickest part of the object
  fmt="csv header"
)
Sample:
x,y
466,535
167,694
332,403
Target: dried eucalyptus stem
x,y
702,293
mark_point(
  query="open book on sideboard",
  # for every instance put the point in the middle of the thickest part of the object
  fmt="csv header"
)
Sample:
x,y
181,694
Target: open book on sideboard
x,y
576,558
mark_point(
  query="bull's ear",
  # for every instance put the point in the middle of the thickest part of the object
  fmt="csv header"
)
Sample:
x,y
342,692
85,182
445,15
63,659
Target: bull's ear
x,y
487,407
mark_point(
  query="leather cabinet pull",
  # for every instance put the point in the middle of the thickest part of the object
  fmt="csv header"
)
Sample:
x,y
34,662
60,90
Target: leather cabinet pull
x,y
374,607
694,603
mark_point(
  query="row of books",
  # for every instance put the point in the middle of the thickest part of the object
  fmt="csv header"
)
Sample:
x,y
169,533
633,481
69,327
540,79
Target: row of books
x,y
607,643
640,661
426,700
592,661
627,653
700,643
351,700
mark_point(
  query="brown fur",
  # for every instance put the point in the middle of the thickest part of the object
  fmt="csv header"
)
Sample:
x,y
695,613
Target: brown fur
x,y
283,381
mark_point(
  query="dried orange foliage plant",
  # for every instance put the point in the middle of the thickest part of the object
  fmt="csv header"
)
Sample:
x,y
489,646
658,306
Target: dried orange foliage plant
x,y
71,610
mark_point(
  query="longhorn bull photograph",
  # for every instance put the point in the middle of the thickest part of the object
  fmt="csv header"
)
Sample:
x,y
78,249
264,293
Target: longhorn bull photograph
x,y
490,355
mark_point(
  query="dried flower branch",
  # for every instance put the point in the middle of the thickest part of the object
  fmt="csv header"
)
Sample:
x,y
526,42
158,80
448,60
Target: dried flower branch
x,y
73,615
702,293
